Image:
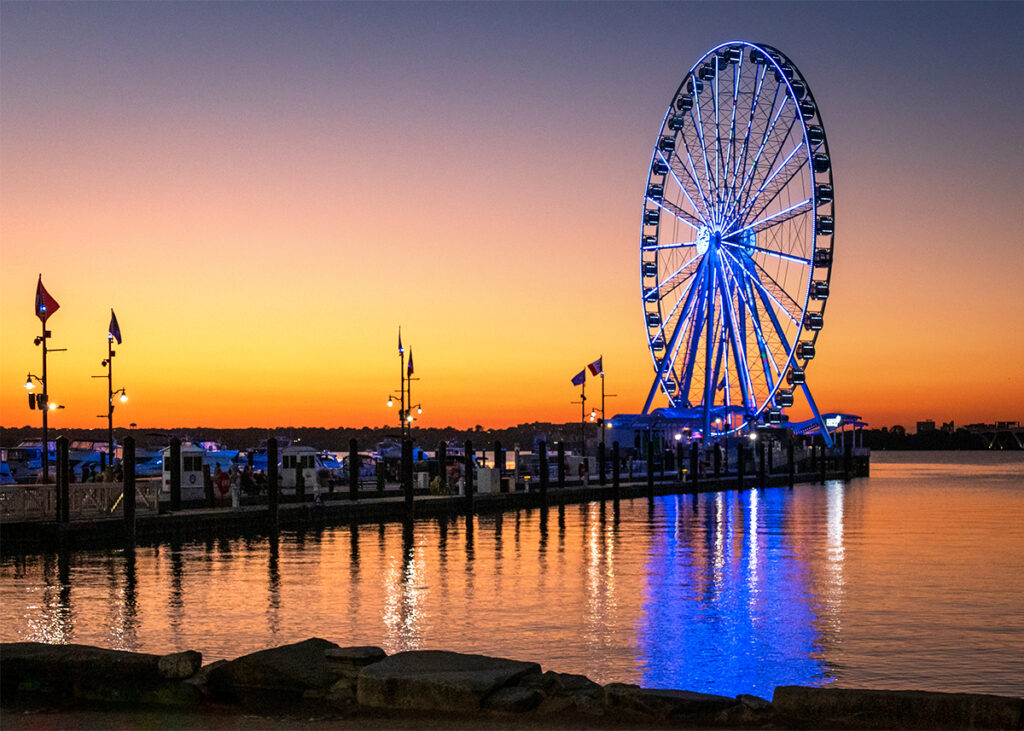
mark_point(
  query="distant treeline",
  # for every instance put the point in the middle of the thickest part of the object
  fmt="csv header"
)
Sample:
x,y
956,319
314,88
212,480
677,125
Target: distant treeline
x,y
334,439
522,435
896,438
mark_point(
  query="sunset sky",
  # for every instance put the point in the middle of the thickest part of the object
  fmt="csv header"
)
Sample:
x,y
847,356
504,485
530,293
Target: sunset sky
x,y
264,192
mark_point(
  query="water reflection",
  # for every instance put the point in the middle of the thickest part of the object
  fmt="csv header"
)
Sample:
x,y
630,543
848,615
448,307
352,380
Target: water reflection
x,y
404,596
727,598
727,593
273,611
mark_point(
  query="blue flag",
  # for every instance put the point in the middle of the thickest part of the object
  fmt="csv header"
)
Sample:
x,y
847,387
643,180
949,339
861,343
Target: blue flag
x,y
114,332
579,378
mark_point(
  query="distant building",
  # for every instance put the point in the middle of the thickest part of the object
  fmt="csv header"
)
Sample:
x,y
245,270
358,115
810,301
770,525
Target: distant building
x,y
948,427
899,430
925,426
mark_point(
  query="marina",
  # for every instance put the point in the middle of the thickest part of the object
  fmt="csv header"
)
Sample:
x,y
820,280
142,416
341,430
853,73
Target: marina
x,y
726,592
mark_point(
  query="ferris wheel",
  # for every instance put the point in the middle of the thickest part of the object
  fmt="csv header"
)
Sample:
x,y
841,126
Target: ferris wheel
x,y
737,239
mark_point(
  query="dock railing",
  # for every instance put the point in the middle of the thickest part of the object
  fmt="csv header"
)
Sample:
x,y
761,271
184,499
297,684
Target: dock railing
x,y
88,501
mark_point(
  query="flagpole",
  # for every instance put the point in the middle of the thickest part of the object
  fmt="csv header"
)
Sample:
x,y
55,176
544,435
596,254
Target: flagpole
x,y
46,411
110,401
603,417
401,411
583,416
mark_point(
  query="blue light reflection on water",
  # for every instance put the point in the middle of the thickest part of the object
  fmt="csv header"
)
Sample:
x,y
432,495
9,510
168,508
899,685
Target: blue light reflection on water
x,y
728,605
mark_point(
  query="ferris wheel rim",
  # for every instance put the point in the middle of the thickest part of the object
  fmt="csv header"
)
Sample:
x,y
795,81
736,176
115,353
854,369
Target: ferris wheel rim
x,y
706,218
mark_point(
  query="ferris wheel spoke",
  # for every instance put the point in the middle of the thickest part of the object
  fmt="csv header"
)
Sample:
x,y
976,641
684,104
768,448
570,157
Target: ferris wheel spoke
x,y
692,176
677,273
680,329
763,348
770,252
694,331
686,217
687,301
766,188
756,281
759,75
673,245
736,73
770,190
780,217
748,178
712,184
743,201
767,357
675,176
740,356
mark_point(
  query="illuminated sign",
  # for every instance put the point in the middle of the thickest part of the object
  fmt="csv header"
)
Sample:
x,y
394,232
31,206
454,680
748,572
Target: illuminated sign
x,y
833,421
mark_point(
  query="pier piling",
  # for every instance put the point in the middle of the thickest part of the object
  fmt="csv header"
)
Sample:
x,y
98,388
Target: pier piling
x,y
694,459
272,485
740,464
600,464
791,461
407,476
470,466
63,481
353,470
543,467
442,462
616,464
128,491
561,465
762,470
650,468
175,457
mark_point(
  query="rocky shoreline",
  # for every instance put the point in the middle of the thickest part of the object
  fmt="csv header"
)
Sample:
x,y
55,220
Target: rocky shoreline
x,y
360,686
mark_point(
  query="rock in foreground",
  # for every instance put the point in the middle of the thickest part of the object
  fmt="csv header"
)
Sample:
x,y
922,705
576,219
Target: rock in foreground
x,y
437,680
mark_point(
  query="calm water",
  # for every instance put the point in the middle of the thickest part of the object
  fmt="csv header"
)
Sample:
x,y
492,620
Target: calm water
x,y
909,579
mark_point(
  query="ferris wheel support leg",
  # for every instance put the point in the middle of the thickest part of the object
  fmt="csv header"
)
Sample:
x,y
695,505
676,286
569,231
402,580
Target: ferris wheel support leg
x,y
817,415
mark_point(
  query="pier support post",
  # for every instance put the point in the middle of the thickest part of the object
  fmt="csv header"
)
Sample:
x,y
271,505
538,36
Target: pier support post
x,y
770,449
823,461
470,469
600,464
442,463
814,457
499,462
762,463
616,464
694,466
63,494
128,492
650,468
272,485
680,462
791,461
175,457
542,466
847,460
561,465
718,460
300,481
407,476
353,470
740,463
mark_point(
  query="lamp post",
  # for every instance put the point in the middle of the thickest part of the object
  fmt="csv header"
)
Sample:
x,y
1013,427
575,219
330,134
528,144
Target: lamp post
x,y
42,401
405,417
108,363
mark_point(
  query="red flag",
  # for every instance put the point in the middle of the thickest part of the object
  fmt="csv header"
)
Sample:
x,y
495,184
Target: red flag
x,y
596,368
400,340
45,304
